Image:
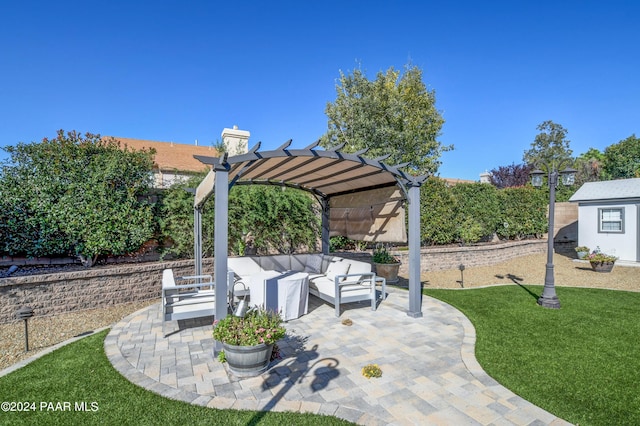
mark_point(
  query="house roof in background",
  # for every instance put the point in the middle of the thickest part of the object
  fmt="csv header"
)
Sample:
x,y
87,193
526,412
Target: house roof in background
x,y
454,181
620,189
173,156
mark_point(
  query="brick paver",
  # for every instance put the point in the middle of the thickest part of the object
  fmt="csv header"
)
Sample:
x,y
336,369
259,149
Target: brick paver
x,y
429,373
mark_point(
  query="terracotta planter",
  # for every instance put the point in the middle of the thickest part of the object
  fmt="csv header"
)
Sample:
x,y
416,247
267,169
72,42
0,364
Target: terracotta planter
x,y
248,361
388,271
602,266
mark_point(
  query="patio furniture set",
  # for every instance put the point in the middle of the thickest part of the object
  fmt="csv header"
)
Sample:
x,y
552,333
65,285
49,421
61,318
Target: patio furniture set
x,y
280,282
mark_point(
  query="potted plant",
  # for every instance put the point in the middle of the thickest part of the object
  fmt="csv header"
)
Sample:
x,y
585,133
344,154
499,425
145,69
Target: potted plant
x,y
248,341
601,262
582,251
387,265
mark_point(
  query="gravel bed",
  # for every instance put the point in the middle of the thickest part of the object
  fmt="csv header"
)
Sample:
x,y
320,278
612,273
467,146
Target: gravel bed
x,y
48,331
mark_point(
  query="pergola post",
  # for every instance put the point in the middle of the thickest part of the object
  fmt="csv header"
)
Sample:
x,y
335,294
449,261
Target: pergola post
x,y
197,240
415,286
325,225
221,195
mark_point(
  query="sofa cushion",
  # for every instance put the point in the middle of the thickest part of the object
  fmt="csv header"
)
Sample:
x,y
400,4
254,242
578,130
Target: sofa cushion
x,y
337,267
244,267
314,264
278,262
358,267
327,287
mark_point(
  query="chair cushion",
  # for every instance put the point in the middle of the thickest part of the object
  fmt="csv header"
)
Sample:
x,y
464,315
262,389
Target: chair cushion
x,y
339,267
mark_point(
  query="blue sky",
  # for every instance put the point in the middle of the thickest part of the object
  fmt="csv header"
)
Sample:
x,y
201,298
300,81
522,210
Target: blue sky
x,y
183,70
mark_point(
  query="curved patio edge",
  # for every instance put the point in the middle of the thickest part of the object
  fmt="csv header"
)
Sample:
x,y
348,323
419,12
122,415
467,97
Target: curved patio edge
x,y
320,370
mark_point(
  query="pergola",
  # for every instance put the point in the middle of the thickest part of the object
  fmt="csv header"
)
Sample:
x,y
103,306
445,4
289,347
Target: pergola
x,y
328,174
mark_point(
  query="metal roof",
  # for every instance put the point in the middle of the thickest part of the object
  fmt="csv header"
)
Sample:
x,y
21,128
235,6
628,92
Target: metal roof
x,y
324,172
622,189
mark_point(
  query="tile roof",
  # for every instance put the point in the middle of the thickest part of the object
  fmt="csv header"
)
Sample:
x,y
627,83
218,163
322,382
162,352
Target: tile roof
x,y
608,190
171,155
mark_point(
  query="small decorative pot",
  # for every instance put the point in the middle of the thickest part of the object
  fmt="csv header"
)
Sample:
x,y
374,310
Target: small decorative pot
x,y
582,254
602,266
389,271
248,361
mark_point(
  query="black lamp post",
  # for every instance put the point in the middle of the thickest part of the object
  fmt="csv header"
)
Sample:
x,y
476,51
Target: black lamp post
x,y
549,299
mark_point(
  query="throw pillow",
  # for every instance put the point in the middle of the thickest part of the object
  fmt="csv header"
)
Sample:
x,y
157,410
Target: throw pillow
x,y
337,268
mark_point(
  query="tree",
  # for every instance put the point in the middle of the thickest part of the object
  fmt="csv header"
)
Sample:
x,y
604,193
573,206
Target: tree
x,y
511,176
276,220
550,146
394,114
590,167
75,195
282,220
622,160
437,213
477,211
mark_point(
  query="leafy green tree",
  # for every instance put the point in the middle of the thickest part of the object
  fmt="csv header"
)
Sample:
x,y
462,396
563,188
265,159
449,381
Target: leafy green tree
x,y
622,160
590,167
393,114
78,195
282,220
550,146
274,219
176,220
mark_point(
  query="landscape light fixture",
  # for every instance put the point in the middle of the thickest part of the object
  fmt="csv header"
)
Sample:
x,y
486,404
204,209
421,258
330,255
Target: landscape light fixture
x,y
25,313
549,298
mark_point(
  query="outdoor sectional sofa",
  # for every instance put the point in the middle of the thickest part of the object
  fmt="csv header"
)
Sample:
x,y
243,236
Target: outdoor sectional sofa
x,y
333,279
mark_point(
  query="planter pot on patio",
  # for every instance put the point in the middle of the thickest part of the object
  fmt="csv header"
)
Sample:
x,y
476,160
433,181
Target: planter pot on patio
x,y
602,266
389,271
582,254
248,361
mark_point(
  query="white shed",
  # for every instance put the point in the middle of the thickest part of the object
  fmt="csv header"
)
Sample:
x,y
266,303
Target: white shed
x,y
609,217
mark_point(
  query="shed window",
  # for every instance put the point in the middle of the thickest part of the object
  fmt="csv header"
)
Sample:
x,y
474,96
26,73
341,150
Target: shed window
x,y
611,220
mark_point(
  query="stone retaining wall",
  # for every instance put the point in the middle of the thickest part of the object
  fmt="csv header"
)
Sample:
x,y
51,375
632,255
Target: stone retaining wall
x,y
57,293
440,258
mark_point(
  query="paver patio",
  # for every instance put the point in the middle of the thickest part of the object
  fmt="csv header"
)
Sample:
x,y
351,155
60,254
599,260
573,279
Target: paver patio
x,y
429,372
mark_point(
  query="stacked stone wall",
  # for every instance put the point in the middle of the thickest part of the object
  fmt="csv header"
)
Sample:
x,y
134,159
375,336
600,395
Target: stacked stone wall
x,y
57,293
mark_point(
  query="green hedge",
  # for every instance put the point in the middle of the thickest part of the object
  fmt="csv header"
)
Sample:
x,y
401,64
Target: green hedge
x,y
472,212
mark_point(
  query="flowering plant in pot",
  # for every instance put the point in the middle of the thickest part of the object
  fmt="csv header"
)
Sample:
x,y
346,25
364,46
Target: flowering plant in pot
x,y
599,257
601,262
582,251
249,342
258,326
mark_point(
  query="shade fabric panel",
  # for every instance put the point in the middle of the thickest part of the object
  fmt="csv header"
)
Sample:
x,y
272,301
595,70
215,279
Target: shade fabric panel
x,y
376,215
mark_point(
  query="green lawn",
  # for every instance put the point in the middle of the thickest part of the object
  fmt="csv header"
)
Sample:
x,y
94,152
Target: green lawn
x,y
581,362
80,372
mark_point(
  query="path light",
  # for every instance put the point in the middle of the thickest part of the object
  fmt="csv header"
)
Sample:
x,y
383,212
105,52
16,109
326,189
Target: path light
x,y
25,313
549,299
461,267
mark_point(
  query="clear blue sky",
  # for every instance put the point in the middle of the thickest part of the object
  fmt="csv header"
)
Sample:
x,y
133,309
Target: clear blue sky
x,y
183,70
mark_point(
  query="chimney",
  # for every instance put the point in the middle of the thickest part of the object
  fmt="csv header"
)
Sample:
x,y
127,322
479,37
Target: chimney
x,y
235,141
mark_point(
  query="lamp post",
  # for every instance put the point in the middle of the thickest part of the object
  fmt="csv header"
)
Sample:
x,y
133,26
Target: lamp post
x,y
549,299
